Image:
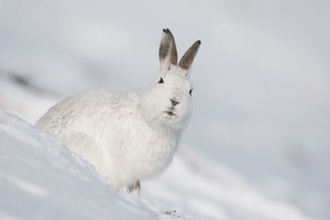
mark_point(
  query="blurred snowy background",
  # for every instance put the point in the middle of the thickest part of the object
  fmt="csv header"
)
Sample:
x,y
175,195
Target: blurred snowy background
x,y
258,145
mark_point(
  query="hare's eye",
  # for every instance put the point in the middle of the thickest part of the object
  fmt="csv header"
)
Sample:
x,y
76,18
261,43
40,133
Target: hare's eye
x,y
161,80
190,92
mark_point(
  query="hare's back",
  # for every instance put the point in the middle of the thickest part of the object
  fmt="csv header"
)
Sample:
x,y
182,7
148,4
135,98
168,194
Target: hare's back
x,y
83,110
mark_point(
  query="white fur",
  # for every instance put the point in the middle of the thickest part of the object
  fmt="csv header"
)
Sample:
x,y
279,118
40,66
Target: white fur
x,y
128,137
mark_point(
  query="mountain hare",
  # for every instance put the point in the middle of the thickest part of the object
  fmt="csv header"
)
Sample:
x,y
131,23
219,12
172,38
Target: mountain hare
x,y
129,137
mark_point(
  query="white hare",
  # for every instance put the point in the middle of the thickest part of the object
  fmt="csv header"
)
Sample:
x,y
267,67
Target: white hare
x,y
129,137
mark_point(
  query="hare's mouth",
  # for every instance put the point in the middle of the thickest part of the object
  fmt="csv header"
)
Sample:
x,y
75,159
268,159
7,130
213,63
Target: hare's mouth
x,y
170,113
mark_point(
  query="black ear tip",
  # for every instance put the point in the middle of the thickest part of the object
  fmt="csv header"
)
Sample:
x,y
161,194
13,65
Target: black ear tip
x,y
199,42
166,30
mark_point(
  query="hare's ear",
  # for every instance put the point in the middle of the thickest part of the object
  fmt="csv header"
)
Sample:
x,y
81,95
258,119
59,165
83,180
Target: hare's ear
x,y
167,50
188,58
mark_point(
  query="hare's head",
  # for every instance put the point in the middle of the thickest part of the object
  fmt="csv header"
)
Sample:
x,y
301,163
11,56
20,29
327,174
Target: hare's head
x,y
168,101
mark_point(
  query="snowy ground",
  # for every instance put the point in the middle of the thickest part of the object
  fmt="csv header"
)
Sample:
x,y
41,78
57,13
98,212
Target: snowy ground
x,y
258,144
41,179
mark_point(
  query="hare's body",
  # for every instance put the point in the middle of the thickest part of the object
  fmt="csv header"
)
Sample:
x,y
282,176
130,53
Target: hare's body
x,y
128,137
109,131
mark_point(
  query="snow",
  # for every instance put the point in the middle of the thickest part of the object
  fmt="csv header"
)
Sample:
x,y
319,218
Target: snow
x,y
258,144
41,179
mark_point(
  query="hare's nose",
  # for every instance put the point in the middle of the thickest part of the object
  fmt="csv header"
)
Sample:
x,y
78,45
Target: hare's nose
x,y
174,103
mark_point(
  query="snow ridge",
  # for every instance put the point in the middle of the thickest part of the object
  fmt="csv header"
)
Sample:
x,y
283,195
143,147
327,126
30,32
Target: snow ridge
x,y
41,179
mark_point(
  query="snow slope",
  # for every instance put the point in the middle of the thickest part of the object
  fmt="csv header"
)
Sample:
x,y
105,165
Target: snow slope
x,y
41,179
210,190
